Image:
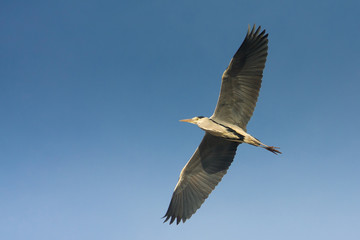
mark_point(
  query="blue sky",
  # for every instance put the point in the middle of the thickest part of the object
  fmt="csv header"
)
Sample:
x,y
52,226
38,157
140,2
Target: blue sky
x,y
90,97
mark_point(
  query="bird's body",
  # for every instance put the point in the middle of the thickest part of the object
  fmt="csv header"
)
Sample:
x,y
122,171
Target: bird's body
x,y
224,130
227,131
221,129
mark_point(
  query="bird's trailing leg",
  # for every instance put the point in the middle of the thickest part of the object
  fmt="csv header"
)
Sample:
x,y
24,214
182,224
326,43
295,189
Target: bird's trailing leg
x,y
256,142
272,149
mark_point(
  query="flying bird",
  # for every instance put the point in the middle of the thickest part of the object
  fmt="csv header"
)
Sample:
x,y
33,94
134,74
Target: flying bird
x,y
224,130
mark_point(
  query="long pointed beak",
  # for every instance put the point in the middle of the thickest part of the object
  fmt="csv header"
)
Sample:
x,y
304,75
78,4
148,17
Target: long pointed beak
x,y
187,120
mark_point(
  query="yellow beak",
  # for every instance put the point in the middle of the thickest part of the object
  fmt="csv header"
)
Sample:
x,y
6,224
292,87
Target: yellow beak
x,y
187,120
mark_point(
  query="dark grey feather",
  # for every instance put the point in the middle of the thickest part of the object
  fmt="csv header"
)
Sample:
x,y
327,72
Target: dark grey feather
x,y
199,177
241,81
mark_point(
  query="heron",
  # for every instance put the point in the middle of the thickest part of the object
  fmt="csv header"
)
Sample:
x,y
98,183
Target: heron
x,y
224,130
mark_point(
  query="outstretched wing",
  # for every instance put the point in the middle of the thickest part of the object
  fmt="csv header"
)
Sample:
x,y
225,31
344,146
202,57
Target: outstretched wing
x,y
199,177
241,81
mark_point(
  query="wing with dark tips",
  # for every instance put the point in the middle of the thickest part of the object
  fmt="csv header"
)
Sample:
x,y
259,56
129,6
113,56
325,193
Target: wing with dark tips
x,y
199,177
241,81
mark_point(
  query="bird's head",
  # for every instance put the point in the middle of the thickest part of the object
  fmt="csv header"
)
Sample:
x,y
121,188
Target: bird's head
x,y
193,120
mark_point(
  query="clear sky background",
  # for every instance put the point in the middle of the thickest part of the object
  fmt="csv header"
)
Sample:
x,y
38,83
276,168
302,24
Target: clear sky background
x,y
90,97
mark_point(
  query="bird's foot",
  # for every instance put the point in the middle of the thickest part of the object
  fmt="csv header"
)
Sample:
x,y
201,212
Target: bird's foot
x,y
273,149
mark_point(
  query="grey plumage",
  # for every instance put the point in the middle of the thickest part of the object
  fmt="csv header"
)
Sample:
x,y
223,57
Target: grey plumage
x,y
200,176
241,81
240,87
